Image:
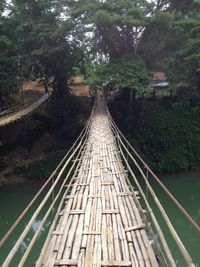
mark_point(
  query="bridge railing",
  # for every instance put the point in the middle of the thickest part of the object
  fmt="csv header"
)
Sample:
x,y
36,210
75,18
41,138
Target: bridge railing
x,y
129,153
10,109
70,162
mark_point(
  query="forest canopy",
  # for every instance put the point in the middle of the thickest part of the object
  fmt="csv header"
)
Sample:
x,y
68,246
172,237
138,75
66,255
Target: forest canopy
x,y
53,40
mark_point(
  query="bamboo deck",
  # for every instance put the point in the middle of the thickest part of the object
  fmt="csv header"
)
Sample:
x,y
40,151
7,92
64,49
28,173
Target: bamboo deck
x,y
100,224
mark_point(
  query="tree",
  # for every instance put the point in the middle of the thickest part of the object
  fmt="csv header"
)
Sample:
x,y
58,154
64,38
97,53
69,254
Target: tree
x,y
117,26
9,74
45,41
185,74
172,37
126,74
161,38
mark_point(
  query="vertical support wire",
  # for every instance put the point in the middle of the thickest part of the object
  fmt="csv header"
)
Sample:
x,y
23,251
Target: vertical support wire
x,y
147,189
52,195
127,152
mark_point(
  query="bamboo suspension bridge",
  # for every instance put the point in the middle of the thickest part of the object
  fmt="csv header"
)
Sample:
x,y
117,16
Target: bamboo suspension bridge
x,y
100,218
20,111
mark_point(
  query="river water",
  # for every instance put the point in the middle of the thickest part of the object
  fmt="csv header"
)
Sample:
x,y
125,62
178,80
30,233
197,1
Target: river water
x,y
186,187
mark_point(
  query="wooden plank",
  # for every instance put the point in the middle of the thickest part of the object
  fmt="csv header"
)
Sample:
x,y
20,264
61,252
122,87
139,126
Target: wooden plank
x,y
91,233
116,263
107,183
108,211
94,196
135,227
66,262
76,212
119,173
57,233
124,194
69,197
82,184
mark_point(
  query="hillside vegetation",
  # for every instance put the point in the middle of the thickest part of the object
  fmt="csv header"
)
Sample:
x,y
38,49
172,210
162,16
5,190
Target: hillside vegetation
x,y
166,135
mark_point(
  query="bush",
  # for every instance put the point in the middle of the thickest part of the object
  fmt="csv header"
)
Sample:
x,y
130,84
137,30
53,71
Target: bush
x,y
41,169
167,136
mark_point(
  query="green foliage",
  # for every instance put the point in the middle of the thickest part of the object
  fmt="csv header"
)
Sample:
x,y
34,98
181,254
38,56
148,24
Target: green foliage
x,y
173,38
45,43
9,79
185,7
125,73
185,67
117,26
168,137
162,36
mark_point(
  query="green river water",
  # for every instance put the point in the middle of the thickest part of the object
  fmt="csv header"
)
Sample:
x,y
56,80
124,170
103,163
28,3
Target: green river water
x,y
186,187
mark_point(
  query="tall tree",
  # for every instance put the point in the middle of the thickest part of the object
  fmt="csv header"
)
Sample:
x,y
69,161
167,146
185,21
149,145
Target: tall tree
x,y
185,66
9,74
167,31
117,25
45,41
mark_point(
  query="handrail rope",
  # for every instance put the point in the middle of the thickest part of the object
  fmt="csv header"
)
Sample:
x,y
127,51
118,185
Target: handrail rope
x,y
11,109
44,248
170,195
173,232
5,108
153,217
34,238
23,213
26,230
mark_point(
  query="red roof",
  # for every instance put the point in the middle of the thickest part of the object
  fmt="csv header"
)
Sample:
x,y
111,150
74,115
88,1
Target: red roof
x,y
159,75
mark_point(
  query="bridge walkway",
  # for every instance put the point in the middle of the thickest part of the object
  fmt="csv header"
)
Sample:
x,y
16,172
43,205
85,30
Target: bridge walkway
x,y
100,224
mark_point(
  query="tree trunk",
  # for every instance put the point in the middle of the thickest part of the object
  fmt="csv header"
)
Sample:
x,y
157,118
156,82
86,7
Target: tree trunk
x,y
22,91
132,98
61,94
171,95
136,48
1,99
